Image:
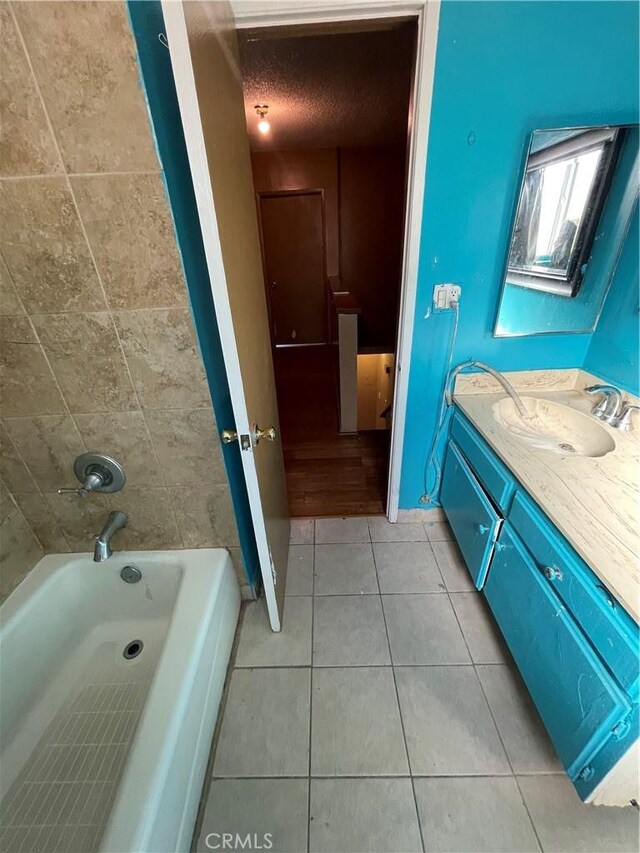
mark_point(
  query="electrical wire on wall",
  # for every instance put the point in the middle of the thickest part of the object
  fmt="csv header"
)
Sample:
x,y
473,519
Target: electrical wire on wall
x,y
432,463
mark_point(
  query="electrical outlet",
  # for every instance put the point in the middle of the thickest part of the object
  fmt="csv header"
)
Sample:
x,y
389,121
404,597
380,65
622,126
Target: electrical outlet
x,y
445,294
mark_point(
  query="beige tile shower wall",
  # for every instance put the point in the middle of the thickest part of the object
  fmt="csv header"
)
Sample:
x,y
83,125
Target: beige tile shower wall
x,y
97,345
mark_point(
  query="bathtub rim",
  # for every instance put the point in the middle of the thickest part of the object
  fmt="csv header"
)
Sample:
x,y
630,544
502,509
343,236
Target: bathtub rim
x,y
207,584
43,573
204,590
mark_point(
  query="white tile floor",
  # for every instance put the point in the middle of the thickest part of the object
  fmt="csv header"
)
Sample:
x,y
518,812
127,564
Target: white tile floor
x,y
387,715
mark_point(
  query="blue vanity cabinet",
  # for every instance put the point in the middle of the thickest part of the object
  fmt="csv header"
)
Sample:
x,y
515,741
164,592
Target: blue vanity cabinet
x,y
607,624
576,696
576,647
496,479
473,518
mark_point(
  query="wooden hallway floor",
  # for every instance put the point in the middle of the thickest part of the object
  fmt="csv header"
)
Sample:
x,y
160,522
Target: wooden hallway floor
x,y
328,474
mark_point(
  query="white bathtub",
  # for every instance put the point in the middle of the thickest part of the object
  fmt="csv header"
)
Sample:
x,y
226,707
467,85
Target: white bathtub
x,y
98,751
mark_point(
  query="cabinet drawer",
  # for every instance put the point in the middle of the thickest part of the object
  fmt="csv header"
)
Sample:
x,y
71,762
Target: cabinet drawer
x,y
607,624
576,697
618,742
474,521
493,475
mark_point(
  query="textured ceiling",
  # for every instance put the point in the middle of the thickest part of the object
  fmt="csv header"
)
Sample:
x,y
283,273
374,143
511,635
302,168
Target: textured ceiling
x,y
325,91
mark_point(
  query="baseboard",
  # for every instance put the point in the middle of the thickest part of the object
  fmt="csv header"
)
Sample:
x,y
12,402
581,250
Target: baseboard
x,y
406,516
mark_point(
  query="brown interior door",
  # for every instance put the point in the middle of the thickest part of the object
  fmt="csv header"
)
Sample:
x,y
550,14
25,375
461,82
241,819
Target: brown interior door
x,y
293,245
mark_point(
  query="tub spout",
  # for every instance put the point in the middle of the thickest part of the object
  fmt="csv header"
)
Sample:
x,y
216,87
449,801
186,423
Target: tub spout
x,y
116,521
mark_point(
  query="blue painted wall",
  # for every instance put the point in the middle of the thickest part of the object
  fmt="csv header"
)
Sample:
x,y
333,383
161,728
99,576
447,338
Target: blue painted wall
x,y
613,351
159,88
502,70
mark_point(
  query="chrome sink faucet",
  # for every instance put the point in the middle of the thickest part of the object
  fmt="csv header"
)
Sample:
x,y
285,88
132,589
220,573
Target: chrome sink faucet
x,y
608,409
612,409
623,420
116,521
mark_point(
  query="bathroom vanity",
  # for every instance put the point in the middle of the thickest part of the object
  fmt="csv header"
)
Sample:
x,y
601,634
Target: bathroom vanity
x,y
547,525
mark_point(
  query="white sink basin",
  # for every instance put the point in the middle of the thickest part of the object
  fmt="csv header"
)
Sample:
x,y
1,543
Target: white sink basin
x,y
554,427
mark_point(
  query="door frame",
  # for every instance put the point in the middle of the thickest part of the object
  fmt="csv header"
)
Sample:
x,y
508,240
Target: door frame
x,y
285,194
276,13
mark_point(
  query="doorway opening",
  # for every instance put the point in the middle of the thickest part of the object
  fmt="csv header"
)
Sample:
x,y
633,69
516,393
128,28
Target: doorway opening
x,y
330,181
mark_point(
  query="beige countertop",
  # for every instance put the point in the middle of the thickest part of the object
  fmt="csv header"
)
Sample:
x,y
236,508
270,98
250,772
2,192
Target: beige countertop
x,y
593,501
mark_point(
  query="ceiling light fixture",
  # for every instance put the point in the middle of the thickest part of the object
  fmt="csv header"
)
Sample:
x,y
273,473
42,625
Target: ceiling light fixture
x,y
263,124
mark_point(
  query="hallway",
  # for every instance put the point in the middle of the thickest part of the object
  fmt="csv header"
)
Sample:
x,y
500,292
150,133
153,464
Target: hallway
x,y
327,473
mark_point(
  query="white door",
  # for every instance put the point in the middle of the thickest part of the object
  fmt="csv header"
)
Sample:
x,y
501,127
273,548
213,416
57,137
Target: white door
x,y
204,57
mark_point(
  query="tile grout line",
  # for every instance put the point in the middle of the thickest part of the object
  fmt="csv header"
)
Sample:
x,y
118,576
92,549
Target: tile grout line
x,y
109,309
127,368
65,176
395,685
475,672
358,665
160,468
209,777
444,589
61,174
313,607
488,704
526,808
29,317
515,775
473,664
361,594
39,490
151,487
23,43
112,411
16,507
391,776
488,776
104,310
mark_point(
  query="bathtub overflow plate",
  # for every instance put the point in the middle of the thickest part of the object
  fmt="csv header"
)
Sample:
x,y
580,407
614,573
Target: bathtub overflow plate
x,y
130,574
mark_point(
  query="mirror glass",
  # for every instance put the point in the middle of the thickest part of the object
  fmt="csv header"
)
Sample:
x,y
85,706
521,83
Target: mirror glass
x,y
574,205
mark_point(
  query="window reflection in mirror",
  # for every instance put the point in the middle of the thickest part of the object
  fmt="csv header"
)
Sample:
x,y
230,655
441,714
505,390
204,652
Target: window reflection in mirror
x,y
576,181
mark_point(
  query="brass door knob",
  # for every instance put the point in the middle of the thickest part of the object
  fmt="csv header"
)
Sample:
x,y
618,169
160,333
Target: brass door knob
x,y
269,433
228,435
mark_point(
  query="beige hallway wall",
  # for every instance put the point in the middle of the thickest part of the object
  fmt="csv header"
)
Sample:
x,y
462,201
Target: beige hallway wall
x,y
97,346
372,190
313,169
364,194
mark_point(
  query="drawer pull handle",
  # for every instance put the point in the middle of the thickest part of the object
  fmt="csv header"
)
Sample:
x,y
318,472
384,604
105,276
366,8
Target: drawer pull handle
x,y
482,529
621,729
552,573
610,599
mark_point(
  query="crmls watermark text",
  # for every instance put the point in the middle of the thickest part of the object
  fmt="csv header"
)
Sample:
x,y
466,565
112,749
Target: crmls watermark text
x,y
235,841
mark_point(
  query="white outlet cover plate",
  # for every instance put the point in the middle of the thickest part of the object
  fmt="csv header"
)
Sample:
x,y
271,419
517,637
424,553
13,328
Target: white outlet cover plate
x,y
445,294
